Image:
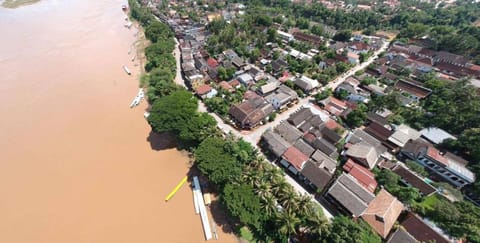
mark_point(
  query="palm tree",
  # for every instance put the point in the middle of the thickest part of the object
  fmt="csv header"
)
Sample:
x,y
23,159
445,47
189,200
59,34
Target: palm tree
x,y
289,199
288,223
315,223
305,204
262,189
250,177
269,204
279,187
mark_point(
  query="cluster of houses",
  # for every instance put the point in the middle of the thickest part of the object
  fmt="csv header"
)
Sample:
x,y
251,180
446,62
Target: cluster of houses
x,y
349,52
366,6
310,143
420,60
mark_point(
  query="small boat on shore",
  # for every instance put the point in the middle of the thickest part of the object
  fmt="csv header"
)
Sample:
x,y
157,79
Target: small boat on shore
x,y
138,98
128,25
127,70
124,7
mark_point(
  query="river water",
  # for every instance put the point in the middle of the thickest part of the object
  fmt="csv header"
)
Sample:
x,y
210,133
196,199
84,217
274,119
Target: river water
x,y
76,163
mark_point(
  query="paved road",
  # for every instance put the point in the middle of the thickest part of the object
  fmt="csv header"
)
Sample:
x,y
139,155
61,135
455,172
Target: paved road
x,y
333,85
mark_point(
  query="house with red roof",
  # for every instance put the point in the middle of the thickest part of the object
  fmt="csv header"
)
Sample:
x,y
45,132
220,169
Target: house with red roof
x,y
364,177
333,105
294,159
382,213
226,86
358,47
205,91
448,166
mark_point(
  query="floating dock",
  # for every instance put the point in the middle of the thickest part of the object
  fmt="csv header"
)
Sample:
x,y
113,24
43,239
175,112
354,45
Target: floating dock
x,y
203,211
172,193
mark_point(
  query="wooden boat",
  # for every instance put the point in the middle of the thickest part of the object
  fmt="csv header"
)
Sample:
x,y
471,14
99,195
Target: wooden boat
x,y
127,70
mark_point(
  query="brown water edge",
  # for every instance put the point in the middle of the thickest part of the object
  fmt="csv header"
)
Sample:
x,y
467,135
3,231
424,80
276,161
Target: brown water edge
x,y
76,164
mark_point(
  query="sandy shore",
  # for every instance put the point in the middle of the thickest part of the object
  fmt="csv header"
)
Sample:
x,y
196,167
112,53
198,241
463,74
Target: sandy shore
x,y
17,3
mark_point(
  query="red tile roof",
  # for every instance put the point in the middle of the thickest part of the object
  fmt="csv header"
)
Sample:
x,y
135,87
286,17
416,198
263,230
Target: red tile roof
x,y
234,83
365,177
203,89
435,154
309,137
475,68
295,157
226,86
212,62
420,230
332,124
382,213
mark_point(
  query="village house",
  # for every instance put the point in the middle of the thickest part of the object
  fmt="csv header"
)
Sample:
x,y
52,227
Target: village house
x,y
436,135
355,93
307,84
358,47
402,134
382,213
363,176
413,90
410,178
349,196
255,72
364,149
382,133
333,105
446,165
226,86
251,112
246,79
300,116
288,132
286,37
315,175
312,39
275,143
414,227
325,147
306,149
281,97
278,67
294,160
206,92
353,58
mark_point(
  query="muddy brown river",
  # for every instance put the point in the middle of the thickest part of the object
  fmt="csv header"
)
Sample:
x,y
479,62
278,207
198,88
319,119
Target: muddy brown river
x,y
76,163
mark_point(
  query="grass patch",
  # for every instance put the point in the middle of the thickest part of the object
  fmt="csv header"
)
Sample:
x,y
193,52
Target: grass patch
x,y
17,3
428,203
246,234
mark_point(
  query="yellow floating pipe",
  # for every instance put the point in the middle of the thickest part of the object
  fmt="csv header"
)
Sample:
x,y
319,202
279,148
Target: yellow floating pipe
x,y
176,188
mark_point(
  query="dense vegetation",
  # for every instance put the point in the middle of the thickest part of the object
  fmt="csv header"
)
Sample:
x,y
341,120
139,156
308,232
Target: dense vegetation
x,y
391,183
458,219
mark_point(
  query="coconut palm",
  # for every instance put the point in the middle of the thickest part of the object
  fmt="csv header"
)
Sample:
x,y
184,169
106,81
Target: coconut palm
x,y
305,204
316,225
262,189
250,177
289,200
288,223
280,187
269,204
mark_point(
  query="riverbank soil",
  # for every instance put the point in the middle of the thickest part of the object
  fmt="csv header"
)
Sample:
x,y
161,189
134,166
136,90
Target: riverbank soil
x,y
76,163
